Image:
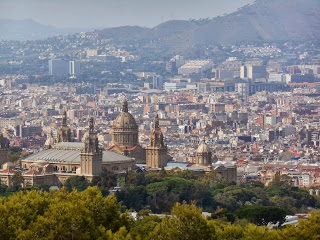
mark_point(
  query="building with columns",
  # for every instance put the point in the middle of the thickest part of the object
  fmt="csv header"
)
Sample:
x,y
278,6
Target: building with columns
x,y
125,138
203,154
63,159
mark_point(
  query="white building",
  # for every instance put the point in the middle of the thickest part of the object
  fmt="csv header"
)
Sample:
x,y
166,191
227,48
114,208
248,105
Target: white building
x,y
74,67
195,66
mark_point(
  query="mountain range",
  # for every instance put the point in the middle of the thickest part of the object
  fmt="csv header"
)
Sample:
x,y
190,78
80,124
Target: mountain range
x,y
28,29
264,20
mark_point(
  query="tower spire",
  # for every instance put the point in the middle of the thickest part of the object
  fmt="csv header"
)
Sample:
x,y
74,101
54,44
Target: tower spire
x,y
91,127
125,105
64,118
156,121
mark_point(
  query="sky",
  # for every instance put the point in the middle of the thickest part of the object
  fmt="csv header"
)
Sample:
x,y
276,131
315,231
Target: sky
x,y
112,13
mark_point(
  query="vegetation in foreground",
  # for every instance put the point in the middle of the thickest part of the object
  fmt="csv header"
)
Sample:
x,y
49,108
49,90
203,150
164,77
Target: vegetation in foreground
x,y
88,215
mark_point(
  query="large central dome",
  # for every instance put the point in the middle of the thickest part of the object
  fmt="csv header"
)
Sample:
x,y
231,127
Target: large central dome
x,y
125,129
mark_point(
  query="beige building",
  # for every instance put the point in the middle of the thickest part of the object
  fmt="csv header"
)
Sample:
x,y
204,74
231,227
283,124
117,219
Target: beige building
x,y
61,160
156,151
64,133
125,136
203,154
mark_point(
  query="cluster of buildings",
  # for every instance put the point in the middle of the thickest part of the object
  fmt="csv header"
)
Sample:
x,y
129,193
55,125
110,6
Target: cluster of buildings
x,y
258,109
62,157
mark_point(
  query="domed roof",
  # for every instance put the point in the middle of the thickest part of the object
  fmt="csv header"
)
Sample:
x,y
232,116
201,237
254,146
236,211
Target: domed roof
x,y
203,147
125,119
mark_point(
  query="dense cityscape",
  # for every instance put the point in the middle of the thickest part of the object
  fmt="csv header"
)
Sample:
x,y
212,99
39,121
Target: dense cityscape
x,y
226,134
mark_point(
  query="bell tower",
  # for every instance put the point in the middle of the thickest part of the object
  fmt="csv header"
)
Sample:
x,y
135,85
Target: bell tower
x,y
156,150
91,154
64,133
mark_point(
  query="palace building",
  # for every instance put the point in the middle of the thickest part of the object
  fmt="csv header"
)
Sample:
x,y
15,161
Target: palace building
x,y
125,136
63,158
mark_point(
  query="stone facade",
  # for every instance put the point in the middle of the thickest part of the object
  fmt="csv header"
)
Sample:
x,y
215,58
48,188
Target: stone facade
x,y
156,151
64,133
203,154
125,136
91,154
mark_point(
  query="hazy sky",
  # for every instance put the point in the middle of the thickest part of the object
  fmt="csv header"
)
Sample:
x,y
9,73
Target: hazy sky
x,y
110,13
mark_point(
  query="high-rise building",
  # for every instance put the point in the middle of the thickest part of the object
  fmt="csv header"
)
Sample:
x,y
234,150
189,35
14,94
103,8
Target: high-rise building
x,y
61,67
58,67
157,81
253,72
74,68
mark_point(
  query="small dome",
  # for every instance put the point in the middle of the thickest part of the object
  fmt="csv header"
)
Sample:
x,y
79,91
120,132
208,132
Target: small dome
x,y
203,147
125,120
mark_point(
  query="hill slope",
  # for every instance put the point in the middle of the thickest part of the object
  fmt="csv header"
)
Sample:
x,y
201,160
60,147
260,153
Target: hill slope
x,y
265,20
28,29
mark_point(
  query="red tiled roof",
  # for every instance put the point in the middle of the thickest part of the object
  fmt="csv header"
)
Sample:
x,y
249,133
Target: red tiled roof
x,y
8,171
32,172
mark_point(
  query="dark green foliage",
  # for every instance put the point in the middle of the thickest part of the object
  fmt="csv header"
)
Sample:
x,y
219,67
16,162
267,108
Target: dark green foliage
x,y
133,197
262,215
223,214
14,153
107,180
17,179
78,182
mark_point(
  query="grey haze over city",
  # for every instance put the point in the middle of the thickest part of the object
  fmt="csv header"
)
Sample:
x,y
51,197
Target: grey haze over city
x,y
86,14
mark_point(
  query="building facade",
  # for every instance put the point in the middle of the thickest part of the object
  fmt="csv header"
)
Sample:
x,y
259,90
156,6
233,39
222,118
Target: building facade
x,y
125,134
156,151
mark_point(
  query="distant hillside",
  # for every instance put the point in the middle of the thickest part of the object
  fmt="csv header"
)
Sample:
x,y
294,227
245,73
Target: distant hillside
x,y
265,20
28,30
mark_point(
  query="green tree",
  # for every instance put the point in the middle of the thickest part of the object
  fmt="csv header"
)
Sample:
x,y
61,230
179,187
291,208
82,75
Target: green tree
x,y
261,215
281,180
105,181
186,223
78,182
223,214
17,179
62,215
144,224
133,197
